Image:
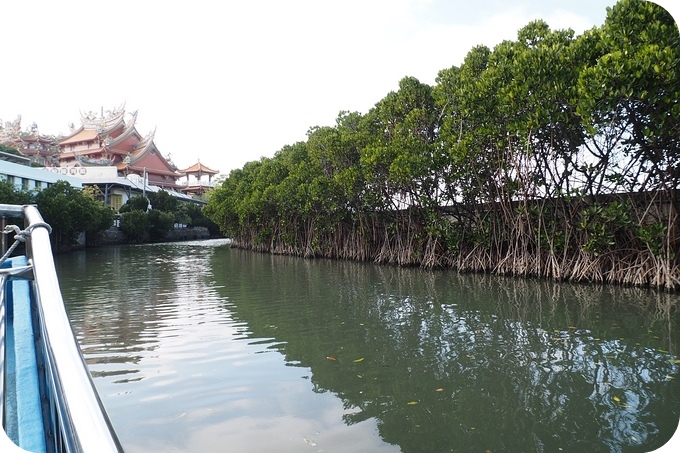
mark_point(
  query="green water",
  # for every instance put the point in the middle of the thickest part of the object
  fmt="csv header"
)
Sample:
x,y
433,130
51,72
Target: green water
x,y
199,347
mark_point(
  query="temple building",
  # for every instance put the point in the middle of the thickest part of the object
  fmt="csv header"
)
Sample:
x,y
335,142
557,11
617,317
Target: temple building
x,y
39,149
108,152
109,140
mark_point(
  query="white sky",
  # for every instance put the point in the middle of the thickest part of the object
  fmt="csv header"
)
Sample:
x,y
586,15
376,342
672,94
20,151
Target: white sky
x,y
228,82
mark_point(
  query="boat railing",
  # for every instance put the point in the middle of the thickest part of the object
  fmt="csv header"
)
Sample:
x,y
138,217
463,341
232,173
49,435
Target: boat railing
x,y
74,416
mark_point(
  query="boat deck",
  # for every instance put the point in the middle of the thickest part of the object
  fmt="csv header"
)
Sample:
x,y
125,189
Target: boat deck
x,y
22,405
48,401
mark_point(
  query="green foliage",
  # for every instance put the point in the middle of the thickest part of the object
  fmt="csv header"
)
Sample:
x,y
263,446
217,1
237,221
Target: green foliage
x,y
137,203
10,195
163,201
9,150
545,122
603,224
160,220
135,224
629,95
160,223
70,212
102,216
653,236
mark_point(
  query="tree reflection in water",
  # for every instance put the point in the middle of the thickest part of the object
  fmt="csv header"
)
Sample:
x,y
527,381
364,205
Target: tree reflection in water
x,y
485,362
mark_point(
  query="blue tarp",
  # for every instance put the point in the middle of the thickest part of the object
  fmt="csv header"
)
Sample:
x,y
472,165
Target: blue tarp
x,y
23,416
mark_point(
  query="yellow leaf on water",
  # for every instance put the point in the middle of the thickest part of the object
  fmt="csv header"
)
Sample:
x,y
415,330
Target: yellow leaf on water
x,y
439,390
412,403
358,360
617,399
331,358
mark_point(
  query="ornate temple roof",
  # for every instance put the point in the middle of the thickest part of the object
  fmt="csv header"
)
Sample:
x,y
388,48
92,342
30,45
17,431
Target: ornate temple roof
x,y
102,126
79,135
103,123
129,130
199,168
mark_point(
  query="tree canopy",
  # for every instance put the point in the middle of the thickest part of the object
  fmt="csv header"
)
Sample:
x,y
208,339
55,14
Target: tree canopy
x,y
550,155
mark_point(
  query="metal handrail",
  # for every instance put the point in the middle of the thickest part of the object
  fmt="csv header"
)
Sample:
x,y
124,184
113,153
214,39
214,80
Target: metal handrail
x,y
80,422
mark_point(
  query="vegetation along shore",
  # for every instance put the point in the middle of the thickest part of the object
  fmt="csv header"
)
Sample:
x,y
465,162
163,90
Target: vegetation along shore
x,y
553,155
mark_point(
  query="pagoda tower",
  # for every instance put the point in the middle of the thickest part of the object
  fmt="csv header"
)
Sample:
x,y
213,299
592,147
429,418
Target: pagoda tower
x,y
198,185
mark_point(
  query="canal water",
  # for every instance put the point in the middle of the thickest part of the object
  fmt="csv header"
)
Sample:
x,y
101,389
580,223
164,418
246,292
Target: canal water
x,y
197,347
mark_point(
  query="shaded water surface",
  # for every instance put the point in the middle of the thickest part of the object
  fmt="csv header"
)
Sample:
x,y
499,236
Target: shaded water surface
x,y
198,347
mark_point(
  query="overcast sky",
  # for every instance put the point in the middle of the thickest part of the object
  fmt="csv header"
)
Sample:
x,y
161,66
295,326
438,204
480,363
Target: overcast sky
x,y
228,82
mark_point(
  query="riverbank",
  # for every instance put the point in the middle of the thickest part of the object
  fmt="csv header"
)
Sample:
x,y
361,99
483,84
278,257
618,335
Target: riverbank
x,y
627,239
114,235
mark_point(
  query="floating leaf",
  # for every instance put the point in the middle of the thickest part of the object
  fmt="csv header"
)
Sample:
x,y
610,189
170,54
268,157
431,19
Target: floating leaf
x,y
412,403
331,358
676,361
358,360
360,376
617,399
311,443
670,378
439,390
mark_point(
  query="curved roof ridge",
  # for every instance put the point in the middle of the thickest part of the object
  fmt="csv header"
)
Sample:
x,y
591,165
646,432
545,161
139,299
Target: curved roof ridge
x,y
143,143
103,124
129,129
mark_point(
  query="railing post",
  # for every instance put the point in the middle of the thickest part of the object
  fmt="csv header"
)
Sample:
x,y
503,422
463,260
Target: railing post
x,y
3,241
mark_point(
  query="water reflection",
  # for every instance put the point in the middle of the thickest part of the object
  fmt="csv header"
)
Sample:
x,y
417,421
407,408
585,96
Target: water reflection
x,y
195,346
485,362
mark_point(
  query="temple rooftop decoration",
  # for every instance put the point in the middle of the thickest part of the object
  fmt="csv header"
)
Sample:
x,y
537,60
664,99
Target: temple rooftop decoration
x,y
111,139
